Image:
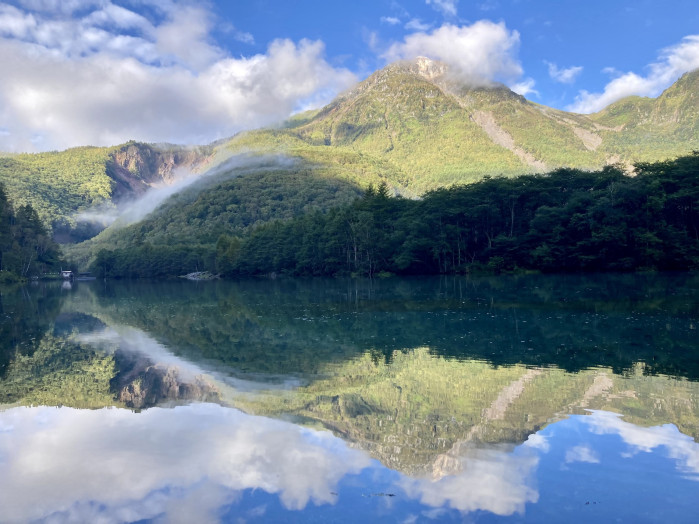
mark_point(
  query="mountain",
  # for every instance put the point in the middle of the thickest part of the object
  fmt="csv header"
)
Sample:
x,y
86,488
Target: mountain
x,y
414,126
59,185
431,129
652,129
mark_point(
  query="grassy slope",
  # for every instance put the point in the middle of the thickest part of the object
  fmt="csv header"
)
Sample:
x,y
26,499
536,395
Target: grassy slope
x,y
646,129
425,132
57,184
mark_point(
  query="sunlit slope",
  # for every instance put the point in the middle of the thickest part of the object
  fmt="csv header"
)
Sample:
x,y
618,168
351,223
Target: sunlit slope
x,y
60,184
429,129
652,129
441,131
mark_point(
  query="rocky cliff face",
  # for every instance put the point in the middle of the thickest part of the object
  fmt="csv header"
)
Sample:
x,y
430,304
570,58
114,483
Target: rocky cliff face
x,y
135,167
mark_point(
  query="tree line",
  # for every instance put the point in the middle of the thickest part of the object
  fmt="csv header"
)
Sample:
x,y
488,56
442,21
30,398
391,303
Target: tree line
x,y
565,220
26,247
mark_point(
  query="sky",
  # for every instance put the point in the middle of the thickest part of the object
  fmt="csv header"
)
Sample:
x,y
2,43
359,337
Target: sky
x,y
102,72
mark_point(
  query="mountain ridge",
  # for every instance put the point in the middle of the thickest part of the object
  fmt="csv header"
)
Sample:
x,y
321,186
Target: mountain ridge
x,y
413,125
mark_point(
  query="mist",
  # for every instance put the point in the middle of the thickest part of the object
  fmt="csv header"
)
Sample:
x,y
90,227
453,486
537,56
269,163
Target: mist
x,y
132,211
137,342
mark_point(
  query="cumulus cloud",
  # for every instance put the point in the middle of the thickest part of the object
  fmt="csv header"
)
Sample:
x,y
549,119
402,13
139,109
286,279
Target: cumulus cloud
x,y
564,76
525,87
447,7
672,63
481,53
582,454
83,72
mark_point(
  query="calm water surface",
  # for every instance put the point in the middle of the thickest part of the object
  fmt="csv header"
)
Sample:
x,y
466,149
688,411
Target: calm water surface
x,y
525,399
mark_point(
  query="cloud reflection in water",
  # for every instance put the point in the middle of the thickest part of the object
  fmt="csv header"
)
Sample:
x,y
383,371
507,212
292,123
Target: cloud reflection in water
x,y
680,447
183,462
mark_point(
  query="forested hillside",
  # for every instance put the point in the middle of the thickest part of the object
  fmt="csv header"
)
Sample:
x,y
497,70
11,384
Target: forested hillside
x,y
59,185
565,220
181,235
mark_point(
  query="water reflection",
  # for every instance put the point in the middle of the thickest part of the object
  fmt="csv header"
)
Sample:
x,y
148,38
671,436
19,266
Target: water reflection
x,y
488,479
679,447
183,464
291,326
205,462
442,397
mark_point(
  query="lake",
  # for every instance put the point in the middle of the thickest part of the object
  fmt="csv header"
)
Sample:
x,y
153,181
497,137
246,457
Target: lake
x,y
529,398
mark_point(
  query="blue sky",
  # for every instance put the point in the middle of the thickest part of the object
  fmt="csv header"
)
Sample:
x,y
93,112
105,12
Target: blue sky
x,y
101,72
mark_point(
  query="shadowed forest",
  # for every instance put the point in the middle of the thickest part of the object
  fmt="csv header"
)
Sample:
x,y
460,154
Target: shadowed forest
x,y
567,220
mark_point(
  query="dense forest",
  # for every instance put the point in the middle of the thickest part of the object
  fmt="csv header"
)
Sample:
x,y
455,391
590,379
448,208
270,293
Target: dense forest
x,y
566,220
26,247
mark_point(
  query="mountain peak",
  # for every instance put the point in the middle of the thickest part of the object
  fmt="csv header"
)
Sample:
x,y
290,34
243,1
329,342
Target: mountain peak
x,y
428,68
421,66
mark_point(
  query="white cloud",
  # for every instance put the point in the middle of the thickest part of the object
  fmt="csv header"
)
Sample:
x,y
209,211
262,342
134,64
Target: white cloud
x,y
481,53
564,76
244,37
111,74
390,20
124,473
673,62
538,441
489,5
417,25
525,87
62,6
447,7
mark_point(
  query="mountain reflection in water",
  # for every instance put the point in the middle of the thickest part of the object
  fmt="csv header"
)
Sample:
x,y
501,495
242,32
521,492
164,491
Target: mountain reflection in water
x,y
528,399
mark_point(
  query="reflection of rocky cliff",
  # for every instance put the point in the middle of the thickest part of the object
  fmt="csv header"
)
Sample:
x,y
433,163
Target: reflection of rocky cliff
x,y
95,369
140,383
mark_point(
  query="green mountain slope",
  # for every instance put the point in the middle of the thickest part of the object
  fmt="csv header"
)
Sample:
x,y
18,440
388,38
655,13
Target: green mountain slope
x,y
238,196
431,130
652,129
60,184
439,131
